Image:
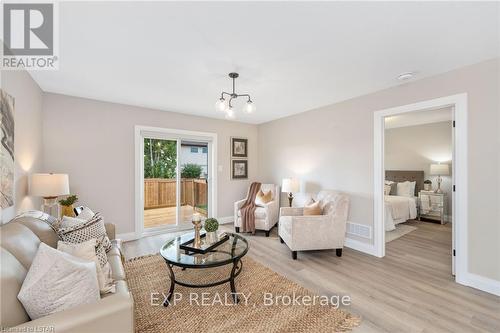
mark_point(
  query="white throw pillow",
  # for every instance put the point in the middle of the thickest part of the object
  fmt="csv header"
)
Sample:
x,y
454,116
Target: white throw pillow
x,y
406,189
57,281
86,214
87,251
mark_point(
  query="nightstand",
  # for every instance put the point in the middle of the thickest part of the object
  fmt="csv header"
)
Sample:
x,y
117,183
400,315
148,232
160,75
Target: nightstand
x,y
432,206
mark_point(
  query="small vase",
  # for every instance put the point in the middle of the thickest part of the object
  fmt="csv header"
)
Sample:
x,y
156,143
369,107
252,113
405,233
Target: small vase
x,y
211,237
67,211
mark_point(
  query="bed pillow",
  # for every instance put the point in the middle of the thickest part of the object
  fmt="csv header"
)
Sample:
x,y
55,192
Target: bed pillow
x,y
57,281
387,189
406,189
87,251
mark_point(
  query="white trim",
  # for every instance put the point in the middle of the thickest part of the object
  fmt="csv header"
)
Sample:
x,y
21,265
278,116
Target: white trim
x,y
360,246
127,236
175,134
459,103
480,282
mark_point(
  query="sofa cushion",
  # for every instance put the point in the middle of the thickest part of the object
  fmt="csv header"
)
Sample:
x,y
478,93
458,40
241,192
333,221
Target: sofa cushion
x,y
20,241
260,213
12,274
57,281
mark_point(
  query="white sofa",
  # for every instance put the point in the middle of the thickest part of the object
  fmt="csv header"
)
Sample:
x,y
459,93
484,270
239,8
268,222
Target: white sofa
x,y
316,232
19,241
266,216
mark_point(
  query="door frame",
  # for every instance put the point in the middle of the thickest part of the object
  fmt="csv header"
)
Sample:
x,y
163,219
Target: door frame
x,y
459,172
171,134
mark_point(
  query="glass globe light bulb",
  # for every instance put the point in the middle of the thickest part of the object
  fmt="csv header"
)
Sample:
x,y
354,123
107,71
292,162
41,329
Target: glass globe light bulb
x,y
249,107
220,105
230,113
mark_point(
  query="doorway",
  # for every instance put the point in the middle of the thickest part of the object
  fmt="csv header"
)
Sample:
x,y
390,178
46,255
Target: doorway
x,y
458,103
175,178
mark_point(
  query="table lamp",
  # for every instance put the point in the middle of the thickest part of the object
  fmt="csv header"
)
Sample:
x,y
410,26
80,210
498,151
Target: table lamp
x,y
290,186
49,186
439,170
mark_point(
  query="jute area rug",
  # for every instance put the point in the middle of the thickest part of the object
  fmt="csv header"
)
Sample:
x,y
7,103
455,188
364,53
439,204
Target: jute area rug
x,y
212,309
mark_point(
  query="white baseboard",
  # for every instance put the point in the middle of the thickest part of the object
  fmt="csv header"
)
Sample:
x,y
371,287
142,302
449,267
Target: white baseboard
x,y
127,236
225,219
480,282
360,246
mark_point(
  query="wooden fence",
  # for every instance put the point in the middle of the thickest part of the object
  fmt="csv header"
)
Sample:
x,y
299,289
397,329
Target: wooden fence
x,y
161,193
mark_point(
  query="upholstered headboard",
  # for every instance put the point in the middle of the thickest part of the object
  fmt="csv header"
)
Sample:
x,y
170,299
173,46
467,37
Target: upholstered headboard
x,y
399,176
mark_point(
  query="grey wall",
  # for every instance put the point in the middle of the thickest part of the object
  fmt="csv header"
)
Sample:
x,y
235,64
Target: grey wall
x,y
332,147
416,147
27,137
93,142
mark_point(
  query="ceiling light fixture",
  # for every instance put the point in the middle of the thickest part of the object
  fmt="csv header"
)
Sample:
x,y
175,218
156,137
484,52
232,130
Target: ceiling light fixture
x,y
224,105
405,76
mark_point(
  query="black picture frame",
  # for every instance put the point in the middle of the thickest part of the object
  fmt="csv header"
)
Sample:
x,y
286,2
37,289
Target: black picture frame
x,y
239,147
236,166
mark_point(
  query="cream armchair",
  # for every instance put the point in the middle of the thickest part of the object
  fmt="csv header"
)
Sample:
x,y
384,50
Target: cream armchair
x,y
266,216
316,232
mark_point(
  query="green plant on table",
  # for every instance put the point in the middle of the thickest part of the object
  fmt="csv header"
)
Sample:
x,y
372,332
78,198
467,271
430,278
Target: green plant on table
x,y
69,200
211,225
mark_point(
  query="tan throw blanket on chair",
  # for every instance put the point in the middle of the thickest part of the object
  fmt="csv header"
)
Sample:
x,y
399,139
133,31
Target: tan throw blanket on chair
x,y
248,209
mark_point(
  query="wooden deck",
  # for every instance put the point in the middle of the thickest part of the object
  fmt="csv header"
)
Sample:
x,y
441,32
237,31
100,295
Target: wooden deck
x,y
165,216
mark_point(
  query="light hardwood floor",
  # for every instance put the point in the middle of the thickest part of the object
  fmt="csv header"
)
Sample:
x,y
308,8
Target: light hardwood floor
x,y
409,290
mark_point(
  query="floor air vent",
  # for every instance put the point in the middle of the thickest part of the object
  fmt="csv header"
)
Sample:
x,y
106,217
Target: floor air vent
x,y
359,230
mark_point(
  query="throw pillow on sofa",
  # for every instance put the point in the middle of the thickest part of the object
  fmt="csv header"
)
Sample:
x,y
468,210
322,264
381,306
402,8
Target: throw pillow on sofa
x,y
87,251
57,281
86,214
94,228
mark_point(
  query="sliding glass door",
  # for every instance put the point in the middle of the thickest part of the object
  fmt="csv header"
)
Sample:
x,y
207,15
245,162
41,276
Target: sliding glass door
x,y
160,182
175,177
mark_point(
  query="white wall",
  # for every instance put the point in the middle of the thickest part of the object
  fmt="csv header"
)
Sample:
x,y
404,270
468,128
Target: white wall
x,y
93,142
27,138
416,147
332,147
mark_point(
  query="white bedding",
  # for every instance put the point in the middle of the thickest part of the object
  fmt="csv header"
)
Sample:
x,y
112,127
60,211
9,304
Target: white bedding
x,y
399,209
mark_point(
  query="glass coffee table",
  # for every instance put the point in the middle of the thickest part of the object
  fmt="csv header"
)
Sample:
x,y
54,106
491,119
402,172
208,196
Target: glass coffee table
x,y
228,253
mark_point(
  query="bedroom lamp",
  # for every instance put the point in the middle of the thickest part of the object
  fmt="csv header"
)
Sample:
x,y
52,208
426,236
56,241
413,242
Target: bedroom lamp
x,y
439,170
290,185
49,186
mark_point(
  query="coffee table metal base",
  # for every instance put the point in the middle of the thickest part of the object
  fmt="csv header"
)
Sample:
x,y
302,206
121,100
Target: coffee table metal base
x,y
235,271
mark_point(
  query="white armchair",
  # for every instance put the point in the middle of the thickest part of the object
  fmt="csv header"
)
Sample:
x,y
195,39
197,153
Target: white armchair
x,y
266,216
316,232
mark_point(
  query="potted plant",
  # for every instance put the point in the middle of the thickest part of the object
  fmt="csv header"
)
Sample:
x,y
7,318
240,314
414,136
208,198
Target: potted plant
x,y
67,206
211,226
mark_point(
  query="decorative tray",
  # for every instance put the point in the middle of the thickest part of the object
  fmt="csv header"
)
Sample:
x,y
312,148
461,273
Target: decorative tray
x,y
188,247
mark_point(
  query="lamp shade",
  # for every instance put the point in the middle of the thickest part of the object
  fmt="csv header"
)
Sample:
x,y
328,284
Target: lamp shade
x,y
290,185
440,169
49,184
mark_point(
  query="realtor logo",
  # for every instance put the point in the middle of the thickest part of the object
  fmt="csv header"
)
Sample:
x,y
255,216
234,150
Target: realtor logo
x,y
29,36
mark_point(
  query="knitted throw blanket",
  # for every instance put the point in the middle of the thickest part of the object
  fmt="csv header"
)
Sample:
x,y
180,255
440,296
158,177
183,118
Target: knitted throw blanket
x,y
248,209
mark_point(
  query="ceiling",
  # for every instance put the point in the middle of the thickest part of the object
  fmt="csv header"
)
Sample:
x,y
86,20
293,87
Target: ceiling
x,y
419,118
291,56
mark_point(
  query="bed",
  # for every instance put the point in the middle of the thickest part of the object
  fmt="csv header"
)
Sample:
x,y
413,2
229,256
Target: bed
x,y
399,209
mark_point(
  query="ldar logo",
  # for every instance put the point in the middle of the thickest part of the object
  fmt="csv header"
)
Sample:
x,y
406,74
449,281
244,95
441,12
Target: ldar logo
x,y
29,35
